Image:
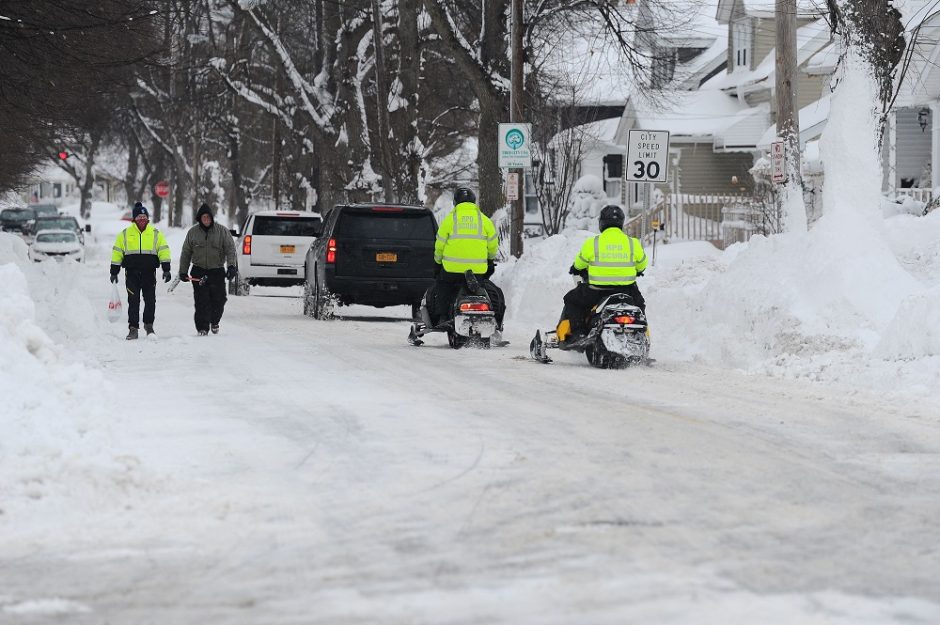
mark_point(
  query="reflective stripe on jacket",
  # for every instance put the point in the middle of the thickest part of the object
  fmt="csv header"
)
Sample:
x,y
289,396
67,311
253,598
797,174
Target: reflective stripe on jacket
x,y
612,258
467,239
134,249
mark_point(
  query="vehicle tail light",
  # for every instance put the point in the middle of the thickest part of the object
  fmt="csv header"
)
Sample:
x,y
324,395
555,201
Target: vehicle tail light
x,y
387,209
246,245
474,306
624,319
331,251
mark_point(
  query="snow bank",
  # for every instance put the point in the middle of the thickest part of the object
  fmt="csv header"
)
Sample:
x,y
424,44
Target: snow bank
x,y
54,452
842,303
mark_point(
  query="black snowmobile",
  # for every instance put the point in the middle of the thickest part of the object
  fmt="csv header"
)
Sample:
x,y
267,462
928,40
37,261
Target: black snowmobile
x,y
618,336
472,320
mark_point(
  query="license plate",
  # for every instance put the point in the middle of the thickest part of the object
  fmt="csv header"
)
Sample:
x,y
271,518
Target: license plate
x,y
386,257
287,249
287,272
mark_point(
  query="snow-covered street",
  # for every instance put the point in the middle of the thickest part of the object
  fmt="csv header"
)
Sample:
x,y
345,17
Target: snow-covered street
x,y
298,471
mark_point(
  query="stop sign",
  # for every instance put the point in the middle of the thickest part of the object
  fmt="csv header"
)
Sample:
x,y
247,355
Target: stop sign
x,y
162,188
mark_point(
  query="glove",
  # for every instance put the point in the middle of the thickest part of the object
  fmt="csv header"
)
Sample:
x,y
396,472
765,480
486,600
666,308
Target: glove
x,y
573,271
184,277
231,272
490,268
639,273
167,276
113,278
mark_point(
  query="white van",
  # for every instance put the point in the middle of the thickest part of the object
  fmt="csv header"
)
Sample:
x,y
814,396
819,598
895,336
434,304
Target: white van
x,y
272,248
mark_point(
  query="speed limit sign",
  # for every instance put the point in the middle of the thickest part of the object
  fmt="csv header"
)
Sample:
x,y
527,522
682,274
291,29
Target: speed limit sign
x,y
648,156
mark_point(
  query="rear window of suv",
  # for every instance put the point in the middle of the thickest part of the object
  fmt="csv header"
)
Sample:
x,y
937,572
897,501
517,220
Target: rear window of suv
x,y
377,225
285,226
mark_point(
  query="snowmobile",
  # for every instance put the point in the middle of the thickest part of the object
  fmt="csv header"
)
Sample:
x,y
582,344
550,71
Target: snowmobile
x,y
472,320
618,336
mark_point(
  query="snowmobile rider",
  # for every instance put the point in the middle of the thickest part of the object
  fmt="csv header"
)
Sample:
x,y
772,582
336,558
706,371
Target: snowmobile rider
x,y
140,249
208,246
610,262
466,239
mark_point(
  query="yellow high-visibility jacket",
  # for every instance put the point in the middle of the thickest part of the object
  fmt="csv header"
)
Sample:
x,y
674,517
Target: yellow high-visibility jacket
x,y
138,250
466,239
612,258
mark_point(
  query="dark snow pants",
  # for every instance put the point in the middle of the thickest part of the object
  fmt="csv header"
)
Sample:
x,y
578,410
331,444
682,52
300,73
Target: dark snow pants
x,y
581,299
209,298
141,282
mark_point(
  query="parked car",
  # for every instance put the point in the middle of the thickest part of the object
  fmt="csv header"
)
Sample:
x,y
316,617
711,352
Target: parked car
x,y
272,248
16,219
58,222
372,254
57,245
45,210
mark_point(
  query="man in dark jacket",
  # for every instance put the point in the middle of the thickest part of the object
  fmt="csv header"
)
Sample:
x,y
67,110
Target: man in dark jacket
x,y
208,246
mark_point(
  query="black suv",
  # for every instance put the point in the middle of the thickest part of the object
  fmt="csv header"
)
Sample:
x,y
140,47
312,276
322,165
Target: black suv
x,y
372,254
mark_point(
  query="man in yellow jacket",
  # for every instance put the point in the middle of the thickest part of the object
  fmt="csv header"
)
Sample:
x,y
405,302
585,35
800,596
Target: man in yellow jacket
x,y
466,239
140,249
610,262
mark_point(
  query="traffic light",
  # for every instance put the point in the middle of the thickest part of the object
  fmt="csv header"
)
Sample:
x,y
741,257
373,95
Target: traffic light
x,y
63,155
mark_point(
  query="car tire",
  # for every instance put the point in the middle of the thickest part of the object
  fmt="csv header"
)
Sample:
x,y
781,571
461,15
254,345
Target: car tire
x,y
321,306
309,300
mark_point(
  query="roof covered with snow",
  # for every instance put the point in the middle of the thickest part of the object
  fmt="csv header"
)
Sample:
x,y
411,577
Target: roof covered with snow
x,y
685,114
810,39
812,122
767,8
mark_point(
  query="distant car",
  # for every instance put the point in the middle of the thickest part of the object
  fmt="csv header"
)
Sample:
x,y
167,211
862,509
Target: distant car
x,y
372,254
44,210
127,215
16,219
58,222
272,248
57,245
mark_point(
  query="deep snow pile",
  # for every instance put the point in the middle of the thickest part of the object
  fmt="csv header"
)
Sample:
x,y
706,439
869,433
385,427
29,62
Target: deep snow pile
x,y
54,452
854,300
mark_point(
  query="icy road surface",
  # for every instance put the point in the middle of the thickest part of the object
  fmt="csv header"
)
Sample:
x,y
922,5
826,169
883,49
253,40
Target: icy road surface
x,y
298,471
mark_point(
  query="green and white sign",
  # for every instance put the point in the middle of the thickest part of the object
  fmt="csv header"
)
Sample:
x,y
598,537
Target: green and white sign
x,y
514,144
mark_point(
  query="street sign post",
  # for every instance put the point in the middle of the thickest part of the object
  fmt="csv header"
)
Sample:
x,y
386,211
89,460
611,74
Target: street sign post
x,y
648,156
514,146
162,188
778,162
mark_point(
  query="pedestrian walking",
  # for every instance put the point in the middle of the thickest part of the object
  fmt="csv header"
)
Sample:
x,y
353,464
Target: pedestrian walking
x,y
140,249
208,248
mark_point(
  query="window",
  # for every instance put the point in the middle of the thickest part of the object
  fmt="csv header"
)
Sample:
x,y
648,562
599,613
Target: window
x,y
386,225
664,67
613,172
286,226
741,41
56,237
57,189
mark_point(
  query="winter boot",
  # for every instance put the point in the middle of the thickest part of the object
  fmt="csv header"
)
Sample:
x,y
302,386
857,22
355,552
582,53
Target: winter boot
x,y
215,328
202,333
148,328
131,333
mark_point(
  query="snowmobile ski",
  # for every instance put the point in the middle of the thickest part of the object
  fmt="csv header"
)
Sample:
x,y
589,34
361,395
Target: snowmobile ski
x,y
537,349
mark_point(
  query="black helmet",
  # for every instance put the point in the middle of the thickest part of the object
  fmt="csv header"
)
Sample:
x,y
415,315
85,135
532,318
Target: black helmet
x,y
463,194
611,217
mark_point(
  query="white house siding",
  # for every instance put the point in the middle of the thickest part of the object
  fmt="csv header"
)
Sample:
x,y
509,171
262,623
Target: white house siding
x,y
703,171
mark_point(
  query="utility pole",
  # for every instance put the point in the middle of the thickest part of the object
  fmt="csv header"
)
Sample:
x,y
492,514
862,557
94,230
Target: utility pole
x,y
516,108
788,121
